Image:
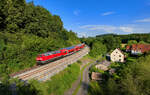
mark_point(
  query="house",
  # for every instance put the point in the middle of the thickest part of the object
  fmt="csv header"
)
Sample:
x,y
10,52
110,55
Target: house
x,y
128,48
106,63
102,67
117,56
96,76
138,48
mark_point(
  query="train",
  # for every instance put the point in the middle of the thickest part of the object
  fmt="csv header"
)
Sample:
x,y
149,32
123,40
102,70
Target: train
x,y
54,55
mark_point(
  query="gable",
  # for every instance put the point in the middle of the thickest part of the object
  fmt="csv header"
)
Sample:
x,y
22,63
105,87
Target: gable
x,y
117,51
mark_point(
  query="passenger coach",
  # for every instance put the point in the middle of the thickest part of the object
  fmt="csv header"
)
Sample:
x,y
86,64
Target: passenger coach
x,y
49,56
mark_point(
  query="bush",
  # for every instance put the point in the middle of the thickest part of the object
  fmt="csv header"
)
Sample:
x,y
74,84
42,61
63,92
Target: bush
x,y
131,78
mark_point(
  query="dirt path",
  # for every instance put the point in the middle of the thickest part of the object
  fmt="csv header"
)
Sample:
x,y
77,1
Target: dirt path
x,y
85,82
76,83
74,86
84,85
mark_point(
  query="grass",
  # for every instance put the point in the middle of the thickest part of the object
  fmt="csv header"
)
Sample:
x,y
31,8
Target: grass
x,y
58,84
77,89
131,59
63,80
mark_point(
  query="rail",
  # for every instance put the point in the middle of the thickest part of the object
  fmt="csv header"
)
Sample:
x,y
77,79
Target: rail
x,y
45,72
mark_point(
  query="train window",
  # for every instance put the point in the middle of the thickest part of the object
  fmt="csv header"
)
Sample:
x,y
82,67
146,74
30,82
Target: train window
x,y
49,54
46,54
40,56
53,52
57,51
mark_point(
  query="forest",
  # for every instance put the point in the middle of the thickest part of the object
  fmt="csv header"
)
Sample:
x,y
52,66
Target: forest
x,y
102,44
26,31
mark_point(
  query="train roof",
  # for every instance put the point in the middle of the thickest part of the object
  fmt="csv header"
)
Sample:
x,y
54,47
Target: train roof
x,y
68,48
79,45
53,52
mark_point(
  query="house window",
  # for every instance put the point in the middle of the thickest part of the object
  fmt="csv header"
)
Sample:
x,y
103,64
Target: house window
x,y
120,60
119,55
116,52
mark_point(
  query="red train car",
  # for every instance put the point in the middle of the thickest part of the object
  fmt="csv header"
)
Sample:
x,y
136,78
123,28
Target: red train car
x,y
46,57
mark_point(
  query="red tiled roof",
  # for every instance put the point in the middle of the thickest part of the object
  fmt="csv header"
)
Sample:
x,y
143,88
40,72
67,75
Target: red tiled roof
x,y
128,47
139,47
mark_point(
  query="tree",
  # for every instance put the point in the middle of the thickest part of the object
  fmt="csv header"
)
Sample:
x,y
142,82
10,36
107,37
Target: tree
x,y
112,42
132,42
98,49
142,42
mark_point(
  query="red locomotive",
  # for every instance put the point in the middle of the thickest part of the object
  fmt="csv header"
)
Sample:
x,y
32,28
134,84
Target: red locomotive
x,y
49,56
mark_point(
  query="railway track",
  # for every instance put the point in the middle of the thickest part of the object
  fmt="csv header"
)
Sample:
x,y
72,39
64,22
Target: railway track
x,y
44,72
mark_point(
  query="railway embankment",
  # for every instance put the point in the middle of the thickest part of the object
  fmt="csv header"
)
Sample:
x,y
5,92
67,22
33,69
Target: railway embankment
x,y
60,82
45,72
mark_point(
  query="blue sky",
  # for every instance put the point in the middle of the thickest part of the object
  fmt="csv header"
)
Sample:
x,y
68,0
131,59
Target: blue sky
x,y
95,17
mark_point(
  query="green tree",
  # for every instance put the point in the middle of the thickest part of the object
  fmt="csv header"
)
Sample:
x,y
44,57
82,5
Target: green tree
x,y
98,49
132,42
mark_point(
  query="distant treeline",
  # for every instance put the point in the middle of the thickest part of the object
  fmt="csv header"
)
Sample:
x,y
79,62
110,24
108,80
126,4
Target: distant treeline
x,y
102,44
27,30
125,38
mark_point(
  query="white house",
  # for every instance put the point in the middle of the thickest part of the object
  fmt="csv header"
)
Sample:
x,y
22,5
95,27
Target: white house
x,y
117,56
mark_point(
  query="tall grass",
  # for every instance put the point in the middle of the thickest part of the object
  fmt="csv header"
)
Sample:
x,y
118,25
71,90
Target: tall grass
x,y
58,84
63,80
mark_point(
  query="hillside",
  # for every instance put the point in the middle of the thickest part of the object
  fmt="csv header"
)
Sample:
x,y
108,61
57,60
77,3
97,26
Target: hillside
x,y
27,30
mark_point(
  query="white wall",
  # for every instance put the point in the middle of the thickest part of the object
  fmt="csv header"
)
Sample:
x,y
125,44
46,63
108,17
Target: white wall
x,y
117,56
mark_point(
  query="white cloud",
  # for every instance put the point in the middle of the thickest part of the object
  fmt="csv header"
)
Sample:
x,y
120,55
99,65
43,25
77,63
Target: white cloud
x,y
108,28
93,30
76,12
143,20
107,13
82,34
126,29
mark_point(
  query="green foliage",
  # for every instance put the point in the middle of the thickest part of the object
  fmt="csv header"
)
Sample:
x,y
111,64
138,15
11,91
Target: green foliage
x,y
27,30
94,69
132,42
112,43
142,42
97,49
58,84
95,89
115,65
101,45
62,81
133,79
125,38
